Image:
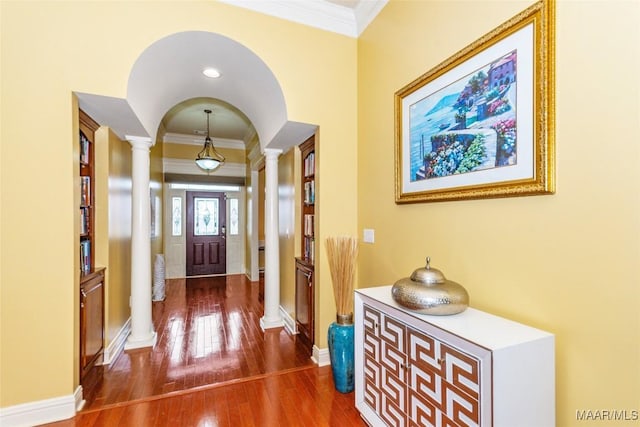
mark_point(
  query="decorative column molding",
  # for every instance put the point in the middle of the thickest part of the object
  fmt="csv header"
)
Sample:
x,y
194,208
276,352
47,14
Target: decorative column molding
x,y
142,333
272,318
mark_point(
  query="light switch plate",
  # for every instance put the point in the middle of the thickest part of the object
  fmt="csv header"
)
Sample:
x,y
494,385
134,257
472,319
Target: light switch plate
x,y
368,235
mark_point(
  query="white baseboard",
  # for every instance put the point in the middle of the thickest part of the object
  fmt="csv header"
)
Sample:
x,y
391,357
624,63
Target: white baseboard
x,y
40,412
79,398
321,356
289,322
116,345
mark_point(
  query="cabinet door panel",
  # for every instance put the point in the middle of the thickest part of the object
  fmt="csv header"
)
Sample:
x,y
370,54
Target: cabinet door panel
x,y
394,389
372,392
392,332
371,351
425,385
91,321
391,413
423,352
459,407
421,411
393,354
447,378
304,303
461,370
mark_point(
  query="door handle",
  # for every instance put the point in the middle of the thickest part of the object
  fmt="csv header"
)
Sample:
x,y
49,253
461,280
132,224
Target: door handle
x,y
223,232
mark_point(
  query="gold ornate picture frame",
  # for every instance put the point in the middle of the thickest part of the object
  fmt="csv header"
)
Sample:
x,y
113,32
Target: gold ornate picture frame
x,y
481,124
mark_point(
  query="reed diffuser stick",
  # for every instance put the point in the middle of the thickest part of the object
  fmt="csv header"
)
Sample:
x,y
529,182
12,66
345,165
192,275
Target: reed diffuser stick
x,y
342,253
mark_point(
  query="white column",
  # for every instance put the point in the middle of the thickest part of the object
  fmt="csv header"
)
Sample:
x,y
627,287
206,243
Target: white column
x,y
142,333
272,318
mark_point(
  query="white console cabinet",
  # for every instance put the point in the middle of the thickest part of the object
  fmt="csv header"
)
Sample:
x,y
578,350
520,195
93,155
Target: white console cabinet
x,y
467,369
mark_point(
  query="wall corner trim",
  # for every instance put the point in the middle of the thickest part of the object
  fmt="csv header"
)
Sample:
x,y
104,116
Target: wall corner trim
x,y
116,345
289,322
321,356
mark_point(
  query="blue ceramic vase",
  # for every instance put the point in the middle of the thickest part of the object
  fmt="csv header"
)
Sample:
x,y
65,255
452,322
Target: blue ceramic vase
x,y
341,347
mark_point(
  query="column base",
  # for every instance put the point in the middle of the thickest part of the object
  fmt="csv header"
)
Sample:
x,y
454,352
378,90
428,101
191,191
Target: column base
x,y
141,343
271,323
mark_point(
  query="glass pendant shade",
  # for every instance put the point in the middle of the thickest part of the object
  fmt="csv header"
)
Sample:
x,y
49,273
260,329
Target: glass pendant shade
x,y
209,159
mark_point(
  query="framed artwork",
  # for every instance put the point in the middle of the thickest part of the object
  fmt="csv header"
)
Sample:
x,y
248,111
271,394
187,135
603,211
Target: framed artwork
x,y
481,124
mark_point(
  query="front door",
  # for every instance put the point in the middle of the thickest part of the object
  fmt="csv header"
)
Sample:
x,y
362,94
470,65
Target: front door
x,y
206,233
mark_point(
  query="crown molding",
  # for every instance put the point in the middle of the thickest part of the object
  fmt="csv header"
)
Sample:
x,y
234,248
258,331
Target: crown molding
x,y
254,153
366,12
319,14
179,138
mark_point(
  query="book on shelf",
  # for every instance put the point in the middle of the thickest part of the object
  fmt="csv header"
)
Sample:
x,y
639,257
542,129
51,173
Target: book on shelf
x,y
310,164
85,256
84,149
84,221
309,249
309,192
308,224
85,191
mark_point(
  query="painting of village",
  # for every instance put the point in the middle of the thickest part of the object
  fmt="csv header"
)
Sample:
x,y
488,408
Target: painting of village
x,y
467,126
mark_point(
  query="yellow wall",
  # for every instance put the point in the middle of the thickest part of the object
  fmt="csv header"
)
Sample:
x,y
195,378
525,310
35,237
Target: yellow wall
x,y
156,179
90,47
118,228
249,208
287,224
566,263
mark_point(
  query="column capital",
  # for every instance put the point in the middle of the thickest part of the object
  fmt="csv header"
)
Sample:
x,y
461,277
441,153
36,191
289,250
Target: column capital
x,y
139,141
272,153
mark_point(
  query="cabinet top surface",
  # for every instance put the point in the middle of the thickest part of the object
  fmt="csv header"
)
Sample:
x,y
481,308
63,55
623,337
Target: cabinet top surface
x,y
93,273
486,329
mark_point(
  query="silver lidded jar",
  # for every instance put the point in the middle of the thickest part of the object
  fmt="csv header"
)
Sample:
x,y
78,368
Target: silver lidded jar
x,y
427,291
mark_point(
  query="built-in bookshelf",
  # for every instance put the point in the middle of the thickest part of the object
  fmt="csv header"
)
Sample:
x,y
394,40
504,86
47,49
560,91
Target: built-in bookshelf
x,y
87,207
92,278
305,263
308,199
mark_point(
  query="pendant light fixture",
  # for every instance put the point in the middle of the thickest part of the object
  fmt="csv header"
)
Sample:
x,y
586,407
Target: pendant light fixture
x,y
209,159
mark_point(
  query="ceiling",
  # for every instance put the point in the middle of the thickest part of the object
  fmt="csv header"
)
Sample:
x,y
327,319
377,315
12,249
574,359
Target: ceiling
x,y
188,118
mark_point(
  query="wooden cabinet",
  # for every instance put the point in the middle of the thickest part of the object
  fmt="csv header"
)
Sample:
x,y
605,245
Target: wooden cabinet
x,y
91,298
305,263
468,369
304,303
91,320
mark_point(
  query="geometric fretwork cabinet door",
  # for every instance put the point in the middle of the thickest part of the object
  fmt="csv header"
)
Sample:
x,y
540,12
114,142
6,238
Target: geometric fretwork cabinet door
x,y
412,379
469,369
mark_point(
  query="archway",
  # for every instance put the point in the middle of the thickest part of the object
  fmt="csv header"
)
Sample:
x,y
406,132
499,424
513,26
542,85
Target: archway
x,y
169,71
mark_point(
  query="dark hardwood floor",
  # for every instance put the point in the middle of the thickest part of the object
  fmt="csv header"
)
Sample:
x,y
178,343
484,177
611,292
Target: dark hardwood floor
x,y
214,366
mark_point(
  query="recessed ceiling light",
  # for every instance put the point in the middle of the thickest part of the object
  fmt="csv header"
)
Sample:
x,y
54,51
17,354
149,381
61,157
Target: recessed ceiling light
x,y
211,72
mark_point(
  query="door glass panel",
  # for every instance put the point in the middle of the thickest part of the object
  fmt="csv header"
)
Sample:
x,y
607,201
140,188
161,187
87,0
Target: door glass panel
x,y
176,220
233,227
205,217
